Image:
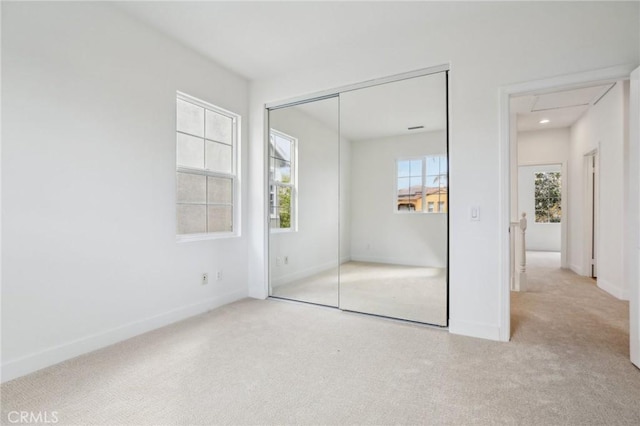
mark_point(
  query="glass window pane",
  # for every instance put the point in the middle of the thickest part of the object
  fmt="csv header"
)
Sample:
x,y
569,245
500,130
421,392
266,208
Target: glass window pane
x,y
432,181
443,165
409,193
190,118
555,210
282,148
218,157
220,218
284,207
404,168
191,219
219,190
433,165
416,185
443,181
191,188
190,152
219,127
404,183
541,216
416,167
282,171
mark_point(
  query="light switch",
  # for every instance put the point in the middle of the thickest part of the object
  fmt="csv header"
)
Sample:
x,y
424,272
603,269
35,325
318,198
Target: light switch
x,y
474,213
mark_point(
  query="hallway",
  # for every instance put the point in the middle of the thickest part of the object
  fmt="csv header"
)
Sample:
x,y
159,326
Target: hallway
x,y
570,313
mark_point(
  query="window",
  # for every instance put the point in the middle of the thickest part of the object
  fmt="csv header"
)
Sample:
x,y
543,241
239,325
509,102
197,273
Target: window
x,y
206,187
282,180
421,184
548,187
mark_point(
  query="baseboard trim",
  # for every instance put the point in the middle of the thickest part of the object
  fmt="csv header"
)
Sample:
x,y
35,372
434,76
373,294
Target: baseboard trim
x,y
474,329
575,268
391,261
613,290
57,354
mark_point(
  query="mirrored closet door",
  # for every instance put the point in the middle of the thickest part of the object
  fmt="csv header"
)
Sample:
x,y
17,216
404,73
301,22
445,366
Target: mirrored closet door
x,y
396,138
358,199
304,161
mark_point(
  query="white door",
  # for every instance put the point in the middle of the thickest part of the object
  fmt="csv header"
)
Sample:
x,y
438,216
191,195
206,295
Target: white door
x,y
634,220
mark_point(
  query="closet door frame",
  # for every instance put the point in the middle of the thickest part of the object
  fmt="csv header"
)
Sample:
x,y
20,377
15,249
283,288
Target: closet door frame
x,y
331,93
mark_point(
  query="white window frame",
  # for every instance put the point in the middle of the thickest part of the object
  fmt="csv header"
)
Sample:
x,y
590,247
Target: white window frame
x,y
425,209
234,175
293,183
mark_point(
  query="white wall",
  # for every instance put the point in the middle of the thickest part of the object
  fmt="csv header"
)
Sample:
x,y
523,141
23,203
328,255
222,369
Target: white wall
x,y
602,128
543,146
539,236
89,251
537,148
378,232
314,247
489,45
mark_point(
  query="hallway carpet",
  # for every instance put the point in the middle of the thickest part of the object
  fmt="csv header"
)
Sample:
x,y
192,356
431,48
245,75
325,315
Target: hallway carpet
x,y
277,362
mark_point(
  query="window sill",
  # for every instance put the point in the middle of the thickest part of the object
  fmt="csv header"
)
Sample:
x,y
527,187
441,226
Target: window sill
x,y
205,237
282,230
417,213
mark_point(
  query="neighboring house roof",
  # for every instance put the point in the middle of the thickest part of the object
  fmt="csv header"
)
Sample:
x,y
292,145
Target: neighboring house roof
x,y
415,192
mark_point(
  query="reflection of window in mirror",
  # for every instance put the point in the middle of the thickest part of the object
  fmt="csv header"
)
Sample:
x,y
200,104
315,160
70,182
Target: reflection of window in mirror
x,y
548,186
282,181
421,184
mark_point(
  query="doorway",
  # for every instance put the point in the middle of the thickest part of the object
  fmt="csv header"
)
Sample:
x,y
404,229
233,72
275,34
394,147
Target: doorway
x,y
509,173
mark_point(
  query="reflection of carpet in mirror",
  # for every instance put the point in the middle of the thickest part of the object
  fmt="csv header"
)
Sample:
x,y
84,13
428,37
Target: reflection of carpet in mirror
x,y
320,288
408,292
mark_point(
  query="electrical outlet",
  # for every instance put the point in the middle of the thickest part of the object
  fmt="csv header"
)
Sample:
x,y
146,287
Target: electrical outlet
x,y
205,279
286,260
219,275
278,261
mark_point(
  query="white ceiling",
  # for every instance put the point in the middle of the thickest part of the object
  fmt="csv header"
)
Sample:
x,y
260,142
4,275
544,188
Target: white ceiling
x,y
385,110
561,108
262,40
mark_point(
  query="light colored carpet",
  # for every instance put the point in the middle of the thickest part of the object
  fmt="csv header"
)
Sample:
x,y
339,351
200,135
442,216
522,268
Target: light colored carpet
x,y
277,362
407,292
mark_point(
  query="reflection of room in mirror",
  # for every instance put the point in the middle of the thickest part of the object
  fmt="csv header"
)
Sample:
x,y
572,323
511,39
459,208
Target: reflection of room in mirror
x,y
398,200
368,200
303,196
407,292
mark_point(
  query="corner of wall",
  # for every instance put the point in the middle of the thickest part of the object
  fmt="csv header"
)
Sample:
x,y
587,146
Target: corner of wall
x,y
474,329
616,291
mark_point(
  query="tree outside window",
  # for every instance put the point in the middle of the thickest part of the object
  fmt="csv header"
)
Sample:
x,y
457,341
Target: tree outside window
x,y
548,186
282,181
